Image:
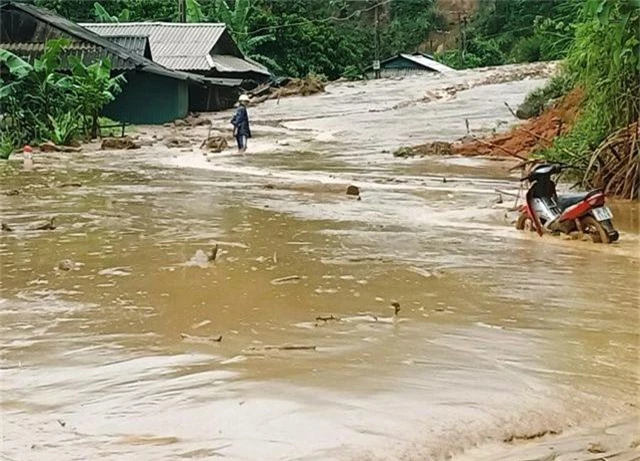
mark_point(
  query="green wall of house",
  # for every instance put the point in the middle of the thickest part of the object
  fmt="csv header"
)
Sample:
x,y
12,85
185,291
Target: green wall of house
x,y
149,99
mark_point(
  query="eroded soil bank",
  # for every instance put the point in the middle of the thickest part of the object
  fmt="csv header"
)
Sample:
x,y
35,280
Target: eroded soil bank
x,y
506,346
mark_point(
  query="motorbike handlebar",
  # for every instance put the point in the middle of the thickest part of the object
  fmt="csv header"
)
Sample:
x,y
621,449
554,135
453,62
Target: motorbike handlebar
x,y
553,168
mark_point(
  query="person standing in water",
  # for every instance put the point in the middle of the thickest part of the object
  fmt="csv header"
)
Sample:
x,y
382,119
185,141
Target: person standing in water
x,y
240,122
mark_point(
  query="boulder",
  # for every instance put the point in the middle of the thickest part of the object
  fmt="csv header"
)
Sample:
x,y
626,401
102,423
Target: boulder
x,y
353,191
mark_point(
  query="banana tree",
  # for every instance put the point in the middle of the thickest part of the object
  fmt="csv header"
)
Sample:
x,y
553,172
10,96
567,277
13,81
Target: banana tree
x,y
94,88
40,102
237,19
194,11
103,15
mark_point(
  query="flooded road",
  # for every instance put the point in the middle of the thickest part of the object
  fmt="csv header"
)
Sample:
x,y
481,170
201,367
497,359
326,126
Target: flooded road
x,y
500,335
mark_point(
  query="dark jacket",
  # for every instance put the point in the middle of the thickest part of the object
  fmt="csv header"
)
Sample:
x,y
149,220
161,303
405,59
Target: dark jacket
x,y
241,122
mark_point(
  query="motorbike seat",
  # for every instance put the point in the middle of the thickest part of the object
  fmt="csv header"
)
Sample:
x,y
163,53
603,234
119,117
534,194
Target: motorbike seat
x,y
567,200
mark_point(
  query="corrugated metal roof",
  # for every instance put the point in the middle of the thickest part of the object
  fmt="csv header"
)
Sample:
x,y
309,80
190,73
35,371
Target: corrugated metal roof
x,y
227,63
423,60
80,34
180,46
89,53
174,45
138,44
428,63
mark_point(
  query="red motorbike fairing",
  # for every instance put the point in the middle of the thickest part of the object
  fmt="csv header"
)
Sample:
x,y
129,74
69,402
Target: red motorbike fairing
x,y
580,209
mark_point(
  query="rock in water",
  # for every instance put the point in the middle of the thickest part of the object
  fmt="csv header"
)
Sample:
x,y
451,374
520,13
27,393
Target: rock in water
x,y
66,265
353,191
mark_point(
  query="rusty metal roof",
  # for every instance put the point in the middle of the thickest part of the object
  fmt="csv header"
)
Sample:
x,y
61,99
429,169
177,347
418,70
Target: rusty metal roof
x,y
183,46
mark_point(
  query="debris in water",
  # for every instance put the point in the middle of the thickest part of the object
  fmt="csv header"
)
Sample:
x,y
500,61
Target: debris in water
x,y
66,265
177,141
283,347
327,318
288,279
515,437
396,307
200,259
119,143
211,257
49,225
201,339
438,148
195,326
11,192
353,191
71,184
596,448
420,271
215,143
61,422
6,228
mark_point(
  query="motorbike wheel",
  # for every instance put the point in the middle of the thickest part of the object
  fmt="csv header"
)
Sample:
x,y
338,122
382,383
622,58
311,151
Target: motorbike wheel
x,y
524,222
594,229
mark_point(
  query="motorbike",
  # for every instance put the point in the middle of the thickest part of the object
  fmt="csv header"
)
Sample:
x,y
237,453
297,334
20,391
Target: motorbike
x,y
544,211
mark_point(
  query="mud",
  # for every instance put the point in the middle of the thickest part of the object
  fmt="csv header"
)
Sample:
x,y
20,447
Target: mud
x,y
529,137
148,348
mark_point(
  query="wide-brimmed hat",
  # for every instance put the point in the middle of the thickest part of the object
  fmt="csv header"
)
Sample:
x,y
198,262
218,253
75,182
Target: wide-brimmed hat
x,y
244,98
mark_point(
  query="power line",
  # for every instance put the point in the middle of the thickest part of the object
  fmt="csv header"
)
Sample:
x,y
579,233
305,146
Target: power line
x,y
318,21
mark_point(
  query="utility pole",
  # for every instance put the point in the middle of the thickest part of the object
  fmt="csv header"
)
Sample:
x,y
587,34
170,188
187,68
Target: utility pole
x,y
182,11
464,36
376,41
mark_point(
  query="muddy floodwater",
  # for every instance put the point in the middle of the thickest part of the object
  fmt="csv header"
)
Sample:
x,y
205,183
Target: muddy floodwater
x,y
122,341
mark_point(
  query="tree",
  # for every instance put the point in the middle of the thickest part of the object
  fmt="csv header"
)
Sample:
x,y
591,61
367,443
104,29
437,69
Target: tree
x,y
237,19
102,15
40,102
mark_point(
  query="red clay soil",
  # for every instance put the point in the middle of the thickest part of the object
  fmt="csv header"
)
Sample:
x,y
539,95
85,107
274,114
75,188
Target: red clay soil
x,y
528,137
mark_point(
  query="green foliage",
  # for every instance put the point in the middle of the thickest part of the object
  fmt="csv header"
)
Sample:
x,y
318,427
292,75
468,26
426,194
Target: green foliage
x,y
506,31
293,37
353,73
536,101
604,60
101,14
41,103
194,11
64,128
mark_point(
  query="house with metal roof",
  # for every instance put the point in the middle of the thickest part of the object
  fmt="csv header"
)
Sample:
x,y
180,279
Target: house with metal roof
x,y
206,49
153,93
402,65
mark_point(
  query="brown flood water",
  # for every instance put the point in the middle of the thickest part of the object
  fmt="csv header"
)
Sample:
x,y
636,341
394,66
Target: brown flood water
x,y
499,333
